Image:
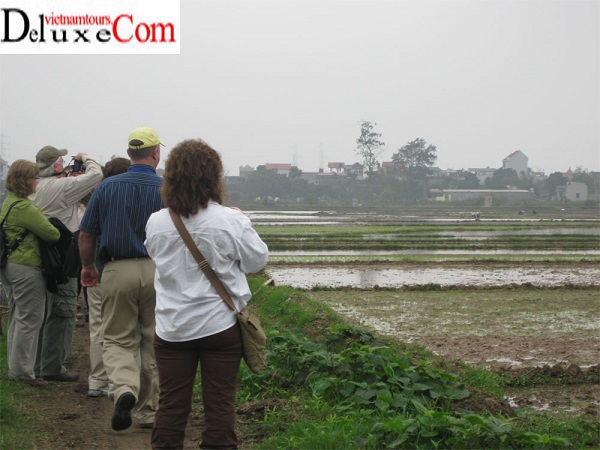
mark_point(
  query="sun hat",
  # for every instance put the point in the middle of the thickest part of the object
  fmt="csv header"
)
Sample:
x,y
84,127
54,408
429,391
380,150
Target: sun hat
x,y
48,156
143,137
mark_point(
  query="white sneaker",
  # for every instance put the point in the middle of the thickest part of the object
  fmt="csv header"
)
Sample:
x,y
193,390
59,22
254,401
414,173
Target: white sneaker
x,y
101,392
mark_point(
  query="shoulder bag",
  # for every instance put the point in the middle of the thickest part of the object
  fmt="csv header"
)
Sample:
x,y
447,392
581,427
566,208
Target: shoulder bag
x,y
4,250
254,340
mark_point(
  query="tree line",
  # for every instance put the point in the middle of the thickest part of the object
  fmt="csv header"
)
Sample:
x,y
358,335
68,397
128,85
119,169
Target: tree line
x,y
409,182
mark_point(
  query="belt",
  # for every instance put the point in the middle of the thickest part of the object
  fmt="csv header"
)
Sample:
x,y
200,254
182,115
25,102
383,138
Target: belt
x,y
113,259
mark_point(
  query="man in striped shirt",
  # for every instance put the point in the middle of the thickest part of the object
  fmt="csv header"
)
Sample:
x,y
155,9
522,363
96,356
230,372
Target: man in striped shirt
x,y
116,216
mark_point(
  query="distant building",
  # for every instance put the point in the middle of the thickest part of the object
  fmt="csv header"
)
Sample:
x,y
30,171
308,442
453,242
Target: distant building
x,y
392,168
461,195
337,167
246,170
281,169
568,174
516,161
482,174
572,191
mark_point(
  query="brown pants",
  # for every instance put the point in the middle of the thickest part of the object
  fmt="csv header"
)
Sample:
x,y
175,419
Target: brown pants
x,y
219,356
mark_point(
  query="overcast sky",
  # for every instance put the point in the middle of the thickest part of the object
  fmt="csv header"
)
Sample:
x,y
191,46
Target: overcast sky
x,y
290,81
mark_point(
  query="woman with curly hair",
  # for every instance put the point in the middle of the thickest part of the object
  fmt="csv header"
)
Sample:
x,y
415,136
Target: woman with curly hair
x,y
22,276
193,324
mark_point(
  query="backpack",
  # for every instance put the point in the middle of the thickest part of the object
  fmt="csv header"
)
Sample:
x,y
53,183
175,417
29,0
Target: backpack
x,y
60,260
4,250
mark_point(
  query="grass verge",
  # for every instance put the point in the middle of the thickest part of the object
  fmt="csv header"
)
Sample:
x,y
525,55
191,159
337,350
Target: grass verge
x,y
14,413
339,386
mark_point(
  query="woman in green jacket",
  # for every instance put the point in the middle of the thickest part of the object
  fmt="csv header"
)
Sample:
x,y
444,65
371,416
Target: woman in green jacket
x,y
22,277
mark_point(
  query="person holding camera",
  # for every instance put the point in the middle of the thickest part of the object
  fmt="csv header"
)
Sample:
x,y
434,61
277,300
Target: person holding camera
x,y
57,196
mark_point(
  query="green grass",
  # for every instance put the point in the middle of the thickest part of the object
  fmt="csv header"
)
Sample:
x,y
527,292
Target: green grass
x,y
15,414
344,388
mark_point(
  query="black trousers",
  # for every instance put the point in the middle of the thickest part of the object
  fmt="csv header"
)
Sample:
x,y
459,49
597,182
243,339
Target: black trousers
x,y
219,356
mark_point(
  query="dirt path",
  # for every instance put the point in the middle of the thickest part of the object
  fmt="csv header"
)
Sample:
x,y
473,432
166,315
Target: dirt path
x,y
76,421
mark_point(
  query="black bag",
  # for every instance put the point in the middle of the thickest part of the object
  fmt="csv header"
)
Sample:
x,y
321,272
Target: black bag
x,y
59,261
72,265
4,250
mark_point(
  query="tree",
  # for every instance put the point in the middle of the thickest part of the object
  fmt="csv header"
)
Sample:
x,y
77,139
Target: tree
x,y
369,147
503,179
592,181
417,157
294,173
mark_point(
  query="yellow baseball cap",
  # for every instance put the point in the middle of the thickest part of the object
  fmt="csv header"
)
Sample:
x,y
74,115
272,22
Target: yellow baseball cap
x,y
143,137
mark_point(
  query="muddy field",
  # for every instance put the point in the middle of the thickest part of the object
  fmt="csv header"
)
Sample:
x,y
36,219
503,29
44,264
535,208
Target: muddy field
x,y
519,332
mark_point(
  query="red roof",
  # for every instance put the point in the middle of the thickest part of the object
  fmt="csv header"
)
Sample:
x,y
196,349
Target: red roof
x,y
278,166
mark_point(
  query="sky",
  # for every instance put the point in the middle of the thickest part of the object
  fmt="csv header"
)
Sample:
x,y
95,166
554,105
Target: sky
x,y
291,81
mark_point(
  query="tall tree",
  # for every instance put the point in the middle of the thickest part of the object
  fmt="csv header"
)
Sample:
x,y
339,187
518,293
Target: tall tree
x,y
417,157
553,181
369,147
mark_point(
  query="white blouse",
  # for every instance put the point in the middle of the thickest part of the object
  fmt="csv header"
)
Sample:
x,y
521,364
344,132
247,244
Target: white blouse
x,y
187,306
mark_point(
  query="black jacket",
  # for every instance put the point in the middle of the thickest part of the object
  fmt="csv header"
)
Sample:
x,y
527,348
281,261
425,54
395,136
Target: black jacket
x,y
60,260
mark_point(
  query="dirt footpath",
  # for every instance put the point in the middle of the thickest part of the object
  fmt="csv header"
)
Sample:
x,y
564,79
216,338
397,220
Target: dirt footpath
x,y
75,421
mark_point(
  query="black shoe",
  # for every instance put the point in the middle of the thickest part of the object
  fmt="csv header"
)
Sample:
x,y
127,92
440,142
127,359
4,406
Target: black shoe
x,y
121,418
66,376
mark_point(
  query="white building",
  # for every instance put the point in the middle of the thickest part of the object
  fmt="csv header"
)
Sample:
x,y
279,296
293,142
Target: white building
x,y
516,161
573,191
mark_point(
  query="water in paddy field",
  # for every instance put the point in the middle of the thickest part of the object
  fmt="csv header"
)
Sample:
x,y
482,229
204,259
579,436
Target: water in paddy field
x,y
365,277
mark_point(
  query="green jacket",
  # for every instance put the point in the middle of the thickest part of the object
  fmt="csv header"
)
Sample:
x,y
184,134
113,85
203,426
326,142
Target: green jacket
x,y
26,215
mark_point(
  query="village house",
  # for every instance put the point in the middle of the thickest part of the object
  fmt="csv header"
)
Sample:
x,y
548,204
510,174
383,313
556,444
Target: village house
x,y
281,169
516,161
573,192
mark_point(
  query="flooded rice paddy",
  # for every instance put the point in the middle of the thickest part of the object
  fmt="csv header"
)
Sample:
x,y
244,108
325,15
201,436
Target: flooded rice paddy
x,y
367,277
513,294
295,261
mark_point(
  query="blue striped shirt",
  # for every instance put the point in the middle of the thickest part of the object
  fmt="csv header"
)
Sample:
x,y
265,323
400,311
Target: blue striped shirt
x,y
118,211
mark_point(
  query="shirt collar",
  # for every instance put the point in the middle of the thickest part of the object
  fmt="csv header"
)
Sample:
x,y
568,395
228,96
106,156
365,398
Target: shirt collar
x,y
141,168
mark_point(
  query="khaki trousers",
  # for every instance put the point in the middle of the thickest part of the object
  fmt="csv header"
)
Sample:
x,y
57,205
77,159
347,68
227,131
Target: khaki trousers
x,y
97,378
128,301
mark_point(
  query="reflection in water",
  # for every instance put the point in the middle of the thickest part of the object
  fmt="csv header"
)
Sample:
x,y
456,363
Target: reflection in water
x,y
307,278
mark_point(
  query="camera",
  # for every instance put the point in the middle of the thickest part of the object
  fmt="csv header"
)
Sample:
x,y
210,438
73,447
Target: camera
x,y
78,166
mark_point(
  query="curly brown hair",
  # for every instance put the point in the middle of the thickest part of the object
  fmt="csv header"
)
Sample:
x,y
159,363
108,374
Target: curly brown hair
x,y
193,176
20,174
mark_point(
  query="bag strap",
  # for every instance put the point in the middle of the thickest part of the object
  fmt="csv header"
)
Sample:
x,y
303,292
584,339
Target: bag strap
x,y
21,237
8,212
199,257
